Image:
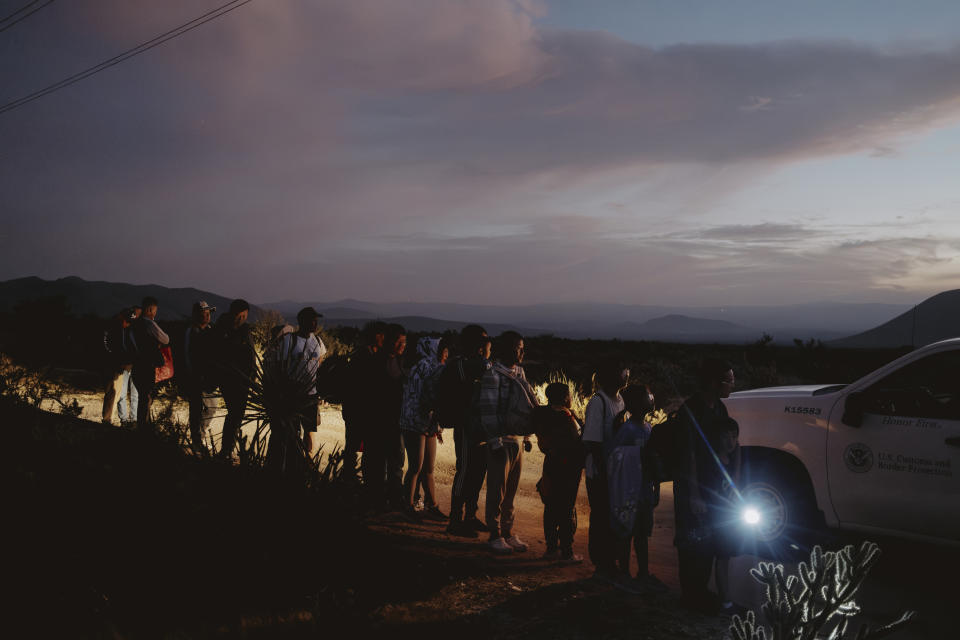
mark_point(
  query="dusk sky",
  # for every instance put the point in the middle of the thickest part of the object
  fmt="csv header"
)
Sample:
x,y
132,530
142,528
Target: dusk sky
x,y
492,151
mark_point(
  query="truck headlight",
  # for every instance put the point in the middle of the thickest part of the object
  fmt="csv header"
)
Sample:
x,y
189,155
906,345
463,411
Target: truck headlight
x,y
751,515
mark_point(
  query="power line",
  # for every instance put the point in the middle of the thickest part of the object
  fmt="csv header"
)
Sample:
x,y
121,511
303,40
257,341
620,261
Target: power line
x,y
23,17
129,53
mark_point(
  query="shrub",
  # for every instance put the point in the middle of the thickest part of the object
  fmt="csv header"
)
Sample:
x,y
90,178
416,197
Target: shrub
x,y
802,607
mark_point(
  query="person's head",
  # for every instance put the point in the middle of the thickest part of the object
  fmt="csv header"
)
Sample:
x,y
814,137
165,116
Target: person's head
x,y
443,350
637,399
308,320
485,349
239,310
201,312
373,334
471,339
611,376
558,395
509,348
716,378
395,339
150,306
729,436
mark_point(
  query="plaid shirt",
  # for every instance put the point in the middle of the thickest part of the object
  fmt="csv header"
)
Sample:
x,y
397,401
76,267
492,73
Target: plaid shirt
x,y
504,404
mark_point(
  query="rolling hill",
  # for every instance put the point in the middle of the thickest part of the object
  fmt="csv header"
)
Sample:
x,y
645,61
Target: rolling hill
x,y
936,318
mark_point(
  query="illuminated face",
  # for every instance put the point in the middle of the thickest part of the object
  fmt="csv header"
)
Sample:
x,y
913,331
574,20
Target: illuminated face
x,y
205,317
486,350
726,384
400,346
240,318
444,355
150,312
518,352
728,442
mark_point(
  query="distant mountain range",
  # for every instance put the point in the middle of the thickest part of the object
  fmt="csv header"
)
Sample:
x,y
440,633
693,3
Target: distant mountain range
x,y
867,325
86,297
936,318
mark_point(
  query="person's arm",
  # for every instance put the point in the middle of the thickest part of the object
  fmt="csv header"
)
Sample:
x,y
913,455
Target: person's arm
x,y
157,333
593,434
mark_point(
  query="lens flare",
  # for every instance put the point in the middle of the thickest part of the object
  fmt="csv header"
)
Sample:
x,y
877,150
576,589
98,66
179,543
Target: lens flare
x,y
751,515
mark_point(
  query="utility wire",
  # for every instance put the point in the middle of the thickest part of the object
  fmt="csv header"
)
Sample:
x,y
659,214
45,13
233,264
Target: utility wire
x,y
129,53
23,17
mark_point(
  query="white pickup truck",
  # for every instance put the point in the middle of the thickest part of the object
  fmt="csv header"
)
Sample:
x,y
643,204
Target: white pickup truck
x,y
881,455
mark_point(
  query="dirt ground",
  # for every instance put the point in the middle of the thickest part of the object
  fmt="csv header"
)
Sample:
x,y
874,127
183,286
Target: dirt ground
x,y
484,595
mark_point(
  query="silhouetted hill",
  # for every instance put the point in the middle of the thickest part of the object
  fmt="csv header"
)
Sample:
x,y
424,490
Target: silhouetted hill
x,y
936,318
99,298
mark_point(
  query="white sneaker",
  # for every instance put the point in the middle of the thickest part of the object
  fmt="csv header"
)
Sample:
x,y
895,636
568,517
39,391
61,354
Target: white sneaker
x,y
499,545
516,543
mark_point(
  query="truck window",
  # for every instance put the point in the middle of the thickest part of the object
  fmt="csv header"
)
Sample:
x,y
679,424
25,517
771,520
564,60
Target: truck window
x,y
927,388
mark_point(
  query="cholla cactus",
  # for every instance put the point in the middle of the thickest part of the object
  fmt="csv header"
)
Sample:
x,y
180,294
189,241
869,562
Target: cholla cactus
x,y
799,607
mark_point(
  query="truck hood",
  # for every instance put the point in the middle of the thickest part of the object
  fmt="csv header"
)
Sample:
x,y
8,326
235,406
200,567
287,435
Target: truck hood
x,y
798,391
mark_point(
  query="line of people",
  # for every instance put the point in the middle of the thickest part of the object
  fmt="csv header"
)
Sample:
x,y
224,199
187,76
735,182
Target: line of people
x,y
481,392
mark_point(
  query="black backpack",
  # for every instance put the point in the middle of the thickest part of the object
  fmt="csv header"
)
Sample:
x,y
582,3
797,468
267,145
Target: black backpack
x,y
662,453
333,379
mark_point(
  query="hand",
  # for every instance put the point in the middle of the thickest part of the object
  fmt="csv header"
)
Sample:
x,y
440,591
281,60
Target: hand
x,y
440,436
527,446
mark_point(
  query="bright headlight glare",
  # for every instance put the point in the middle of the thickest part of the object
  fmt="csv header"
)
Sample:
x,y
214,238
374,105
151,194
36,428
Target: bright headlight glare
x,y
751,515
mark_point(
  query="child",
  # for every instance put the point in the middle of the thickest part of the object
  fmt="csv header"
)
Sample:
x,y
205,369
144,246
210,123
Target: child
x,y
632,495
718,490
558,436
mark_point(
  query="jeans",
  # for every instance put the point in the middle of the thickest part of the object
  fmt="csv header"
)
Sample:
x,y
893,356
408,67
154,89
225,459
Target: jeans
x,y
129,398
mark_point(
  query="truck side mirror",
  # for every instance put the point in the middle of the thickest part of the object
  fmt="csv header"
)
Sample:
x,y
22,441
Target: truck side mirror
x,y
853,409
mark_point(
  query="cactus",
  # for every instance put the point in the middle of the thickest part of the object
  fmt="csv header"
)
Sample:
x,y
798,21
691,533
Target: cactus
x,y
799,607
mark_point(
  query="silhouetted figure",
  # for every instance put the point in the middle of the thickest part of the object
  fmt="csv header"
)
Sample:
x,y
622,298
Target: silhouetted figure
x,y
633,491
558,436
148,337
599,418
235,362
457,385
358,415
298,355
703,417
382,445
196,376
420,428
118,362
504,406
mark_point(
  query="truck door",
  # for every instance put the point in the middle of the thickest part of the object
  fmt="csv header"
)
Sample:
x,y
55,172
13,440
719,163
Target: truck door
x,y
899,469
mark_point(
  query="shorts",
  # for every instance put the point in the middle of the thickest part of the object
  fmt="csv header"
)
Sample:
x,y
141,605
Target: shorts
x,y
310,419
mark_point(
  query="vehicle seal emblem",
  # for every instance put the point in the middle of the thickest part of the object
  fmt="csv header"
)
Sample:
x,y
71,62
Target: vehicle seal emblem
x,y
858,457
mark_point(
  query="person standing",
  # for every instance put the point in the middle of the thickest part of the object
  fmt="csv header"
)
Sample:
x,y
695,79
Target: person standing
x,y
420,429
703,420
235,362
601,411
299,355
633,491
357,415
117,360
195,375
129,399
382,447
456,387
558,436
505,404
148,337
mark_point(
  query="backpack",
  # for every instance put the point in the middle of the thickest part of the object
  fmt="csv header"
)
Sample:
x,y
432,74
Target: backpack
x,y
333,379
664,449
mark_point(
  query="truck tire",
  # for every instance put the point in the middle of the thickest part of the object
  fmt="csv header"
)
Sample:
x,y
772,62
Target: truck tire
x,y
790,523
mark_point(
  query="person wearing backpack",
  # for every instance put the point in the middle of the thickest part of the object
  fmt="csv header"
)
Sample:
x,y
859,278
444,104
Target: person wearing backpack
x,y
456,388
601,412
148,337
633,493
504,404
194,375
558,436
703,419
234,366
355,403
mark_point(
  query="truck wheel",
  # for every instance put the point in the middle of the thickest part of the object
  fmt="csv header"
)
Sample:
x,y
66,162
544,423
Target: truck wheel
x,y
788,519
